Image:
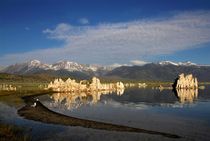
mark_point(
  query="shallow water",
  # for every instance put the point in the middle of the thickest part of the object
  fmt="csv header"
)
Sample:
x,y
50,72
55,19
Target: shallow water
x,y
187,116
131,101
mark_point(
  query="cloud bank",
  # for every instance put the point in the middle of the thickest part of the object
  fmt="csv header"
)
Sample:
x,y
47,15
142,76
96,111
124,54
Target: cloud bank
x,y
122,42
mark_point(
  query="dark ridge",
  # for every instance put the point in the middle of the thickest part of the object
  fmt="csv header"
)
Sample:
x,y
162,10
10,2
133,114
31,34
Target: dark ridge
x,y
156,72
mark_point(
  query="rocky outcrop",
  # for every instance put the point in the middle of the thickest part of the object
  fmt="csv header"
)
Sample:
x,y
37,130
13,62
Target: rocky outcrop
x,y
186,88
139,85
142,85
6,87
186,82
72,86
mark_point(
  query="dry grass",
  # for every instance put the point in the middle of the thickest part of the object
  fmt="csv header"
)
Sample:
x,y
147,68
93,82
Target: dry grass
x,y
13,133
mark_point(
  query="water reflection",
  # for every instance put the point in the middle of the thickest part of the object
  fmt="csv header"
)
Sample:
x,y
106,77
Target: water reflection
x,y
73,100
187,95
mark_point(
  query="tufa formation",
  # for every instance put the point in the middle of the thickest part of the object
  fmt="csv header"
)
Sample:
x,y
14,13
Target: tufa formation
x,y
72,86
186,82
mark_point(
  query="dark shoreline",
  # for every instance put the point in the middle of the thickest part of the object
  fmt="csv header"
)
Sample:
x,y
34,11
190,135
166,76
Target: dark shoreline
x,y
43,114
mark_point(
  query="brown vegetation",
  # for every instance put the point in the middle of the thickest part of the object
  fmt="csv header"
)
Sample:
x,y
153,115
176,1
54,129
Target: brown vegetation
x,y
13,133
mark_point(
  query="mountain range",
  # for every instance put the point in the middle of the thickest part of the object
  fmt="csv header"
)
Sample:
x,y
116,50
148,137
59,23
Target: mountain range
x,y
34,65
1,68
161,71
59,69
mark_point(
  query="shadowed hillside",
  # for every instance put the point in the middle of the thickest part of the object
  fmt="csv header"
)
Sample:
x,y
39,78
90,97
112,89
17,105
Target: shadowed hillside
x,y
158,72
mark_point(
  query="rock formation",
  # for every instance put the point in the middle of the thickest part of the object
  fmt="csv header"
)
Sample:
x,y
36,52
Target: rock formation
x,y
6,87
72,86
142,85
186,82
139,85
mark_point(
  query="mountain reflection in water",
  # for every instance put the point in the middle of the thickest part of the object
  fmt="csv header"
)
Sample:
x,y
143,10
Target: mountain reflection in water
x,y
73,100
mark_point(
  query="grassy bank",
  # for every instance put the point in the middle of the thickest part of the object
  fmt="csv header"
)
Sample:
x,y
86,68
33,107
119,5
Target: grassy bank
x,y
13,133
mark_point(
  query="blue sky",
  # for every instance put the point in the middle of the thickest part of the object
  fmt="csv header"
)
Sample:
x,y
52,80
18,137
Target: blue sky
x,y
104,31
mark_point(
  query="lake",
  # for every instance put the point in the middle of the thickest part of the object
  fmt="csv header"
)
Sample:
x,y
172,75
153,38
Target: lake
x,y
183,113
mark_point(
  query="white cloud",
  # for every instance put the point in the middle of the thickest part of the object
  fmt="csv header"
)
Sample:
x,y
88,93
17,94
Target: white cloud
x,y
83,21
61,32
138,62
122,42
115,65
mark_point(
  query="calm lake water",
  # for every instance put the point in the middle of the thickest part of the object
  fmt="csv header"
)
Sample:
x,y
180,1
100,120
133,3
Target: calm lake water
x,y
185,113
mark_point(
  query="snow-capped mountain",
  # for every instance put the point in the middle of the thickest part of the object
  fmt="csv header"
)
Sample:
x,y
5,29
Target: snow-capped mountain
x,y
22,68
67,65
168,63
188,63
73,66
162,71
35,65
